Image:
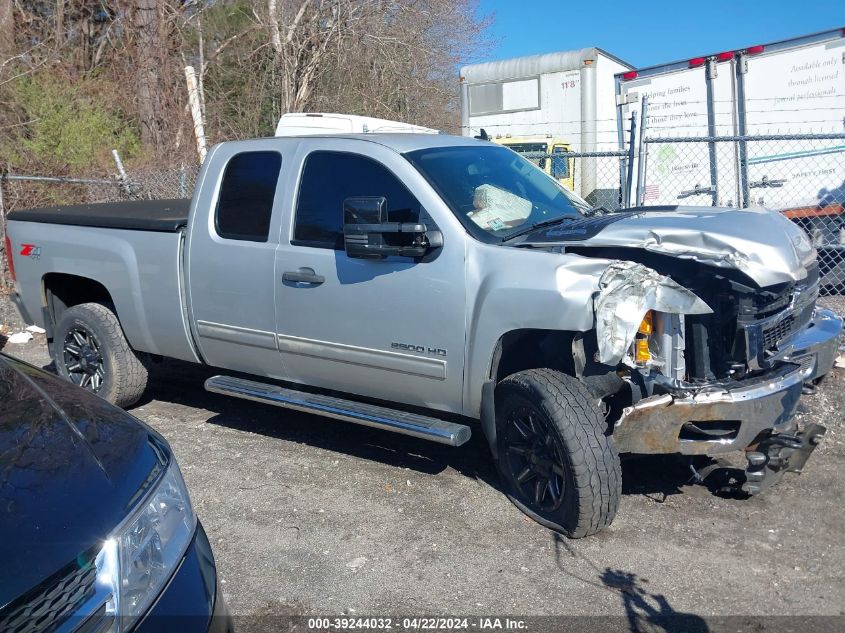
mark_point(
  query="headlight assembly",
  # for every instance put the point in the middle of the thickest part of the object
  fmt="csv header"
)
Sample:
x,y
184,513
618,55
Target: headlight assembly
x,y
640,347
141,556
627,293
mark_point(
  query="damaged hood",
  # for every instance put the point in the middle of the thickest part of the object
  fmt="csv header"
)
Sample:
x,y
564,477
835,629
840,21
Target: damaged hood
x,y
763,244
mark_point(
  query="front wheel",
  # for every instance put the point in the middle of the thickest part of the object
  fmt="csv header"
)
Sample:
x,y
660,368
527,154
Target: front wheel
x,y
557,462
91,351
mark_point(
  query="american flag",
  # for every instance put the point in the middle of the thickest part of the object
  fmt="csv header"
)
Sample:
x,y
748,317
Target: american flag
x,y
652,192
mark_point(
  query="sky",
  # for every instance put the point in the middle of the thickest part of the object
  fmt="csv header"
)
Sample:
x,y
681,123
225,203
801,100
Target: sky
x,y
647,32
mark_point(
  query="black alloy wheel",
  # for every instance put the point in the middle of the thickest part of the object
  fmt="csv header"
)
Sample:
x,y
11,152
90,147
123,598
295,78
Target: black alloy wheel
x,y
83,359
535,459
555,452
91,350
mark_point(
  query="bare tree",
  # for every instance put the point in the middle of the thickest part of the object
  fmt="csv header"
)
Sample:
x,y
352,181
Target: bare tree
x,y
256,59
395,57
146,26
302,33
60,23
401,61
7,29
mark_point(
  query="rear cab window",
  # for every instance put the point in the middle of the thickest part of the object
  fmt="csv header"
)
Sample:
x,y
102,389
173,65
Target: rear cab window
x,y
245,202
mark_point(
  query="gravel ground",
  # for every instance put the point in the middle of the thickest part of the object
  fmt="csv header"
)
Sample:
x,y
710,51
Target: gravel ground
x,y
309,515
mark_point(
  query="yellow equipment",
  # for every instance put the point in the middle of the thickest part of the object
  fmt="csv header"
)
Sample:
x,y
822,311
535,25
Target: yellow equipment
x,y
555,163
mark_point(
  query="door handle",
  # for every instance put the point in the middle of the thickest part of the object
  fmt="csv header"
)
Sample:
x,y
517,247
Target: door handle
x,y
303,275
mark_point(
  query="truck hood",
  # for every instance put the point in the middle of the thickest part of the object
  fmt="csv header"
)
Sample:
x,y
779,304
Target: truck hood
x,y
762,244
72,468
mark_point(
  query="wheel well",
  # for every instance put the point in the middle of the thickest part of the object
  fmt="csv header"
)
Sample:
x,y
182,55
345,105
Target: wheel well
x,y
63,291
519,350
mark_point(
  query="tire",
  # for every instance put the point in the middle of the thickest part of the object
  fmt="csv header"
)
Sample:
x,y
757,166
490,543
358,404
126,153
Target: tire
x,y
91,351
550,435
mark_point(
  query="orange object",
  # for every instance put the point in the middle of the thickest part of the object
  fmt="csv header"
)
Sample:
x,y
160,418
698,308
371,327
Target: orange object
x,y
814,212
647,326
643,355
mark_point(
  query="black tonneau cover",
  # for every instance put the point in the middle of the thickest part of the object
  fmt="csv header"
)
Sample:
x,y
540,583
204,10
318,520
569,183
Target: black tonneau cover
x,y
135,215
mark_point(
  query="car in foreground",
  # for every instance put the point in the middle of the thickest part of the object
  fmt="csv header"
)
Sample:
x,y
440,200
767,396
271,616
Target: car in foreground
x,y
97,532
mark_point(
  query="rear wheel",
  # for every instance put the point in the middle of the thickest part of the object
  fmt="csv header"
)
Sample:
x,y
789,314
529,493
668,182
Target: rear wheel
x,y
91,351
558,463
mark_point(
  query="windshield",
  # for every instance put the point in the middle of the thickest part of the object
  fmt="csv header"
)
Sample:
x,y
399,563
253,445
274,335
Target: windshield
x,y
494,189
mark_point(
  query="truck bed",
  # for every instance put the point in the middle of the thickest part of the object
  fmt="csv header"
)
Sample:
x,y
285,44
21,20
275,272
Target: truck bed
x,y
140,269
164,216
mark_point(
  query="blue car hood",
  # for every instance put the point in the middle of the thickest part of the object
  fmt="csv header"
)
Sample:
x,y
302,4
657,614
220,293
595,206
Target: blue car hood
x,y
72,468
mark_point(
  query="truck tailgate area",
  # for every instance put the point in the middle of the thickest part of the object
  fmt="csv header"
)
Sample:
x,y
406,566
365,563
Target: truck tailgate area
x,y
141,269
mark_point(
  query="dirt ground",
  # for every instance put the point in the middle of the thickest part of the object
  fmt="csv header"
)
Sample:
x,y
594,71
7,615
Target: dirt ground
x,y
310,515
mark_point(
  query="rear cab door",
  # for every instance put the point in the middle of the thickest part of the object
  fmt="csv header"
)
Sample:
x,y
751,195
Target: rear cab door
x,y
390,328
236,220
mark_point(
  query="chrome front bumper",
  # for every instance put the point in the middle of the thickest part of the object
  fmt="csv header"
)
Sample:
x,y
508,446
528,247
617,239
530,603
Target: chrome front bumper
x,y
727,418
816,346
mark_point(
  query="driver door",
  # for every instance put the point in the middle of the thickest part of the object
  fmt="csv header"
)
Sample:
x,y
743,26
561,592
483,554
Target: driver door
x,y
389,328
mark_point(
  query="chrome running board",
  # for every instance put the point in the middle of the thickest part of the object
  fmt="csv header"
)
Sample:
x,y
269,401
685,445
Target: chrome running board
x,y
412,424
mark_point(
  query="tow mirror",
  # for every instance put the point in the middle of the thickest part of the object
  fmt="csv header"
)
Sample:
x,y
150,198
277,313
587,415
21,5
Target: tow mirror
x,y
367,233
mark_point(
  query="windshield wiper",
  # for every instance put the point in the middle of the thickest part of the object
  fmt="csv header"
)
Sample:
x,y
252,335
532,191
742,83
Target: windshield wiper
x,y
597,210
537,225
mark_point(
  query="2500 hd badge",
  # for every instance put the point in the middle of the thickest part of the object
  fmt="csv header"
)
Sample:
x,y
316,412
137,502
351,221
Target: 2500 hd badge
x,y
419,349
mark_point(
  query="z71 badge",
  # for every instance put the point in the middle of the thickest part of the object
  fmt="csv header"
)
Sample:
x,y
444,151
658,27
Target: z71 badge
x,y
30,250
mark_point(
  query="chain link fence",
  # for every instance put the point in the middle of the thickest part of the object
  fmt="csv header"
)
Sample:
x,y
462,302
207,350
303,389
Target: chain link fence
x,y
800,175
20,191
163,184
598,177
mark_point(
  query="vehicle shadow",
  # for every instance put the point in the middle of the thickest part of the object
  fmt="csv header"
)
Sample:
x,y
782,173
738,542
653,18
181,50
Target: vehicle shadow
x,y
182,383
656,476
661,476
645,611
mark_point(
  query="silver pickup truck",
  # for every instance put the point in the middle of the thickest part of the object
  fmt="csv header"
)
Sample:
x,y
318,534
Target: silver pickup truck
x,y
423,283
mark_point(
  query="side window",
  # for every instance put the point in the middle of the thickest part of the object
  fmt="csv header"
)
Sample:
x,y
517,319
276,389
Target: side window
x,y
245,203
328,178
560,163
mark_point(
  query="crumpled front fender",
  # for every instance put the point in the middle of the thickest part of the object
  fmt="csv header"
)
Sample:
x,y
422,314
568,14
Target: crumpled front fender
x,y
627,291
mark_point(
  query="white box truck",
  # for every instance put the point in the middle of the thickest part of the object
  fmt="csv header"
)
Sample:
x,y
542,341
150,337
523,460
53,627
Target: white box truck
x,y
567,96
790,87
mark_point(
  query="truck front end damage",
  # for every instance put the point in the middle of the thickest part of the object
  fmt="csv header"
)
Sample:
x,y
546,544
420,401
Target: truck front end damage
x,y
712,364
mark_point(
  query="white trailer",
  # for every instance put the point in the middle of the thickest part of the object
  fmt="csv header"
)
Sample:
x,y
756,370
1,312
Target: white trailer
x,y
790,87
567,95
